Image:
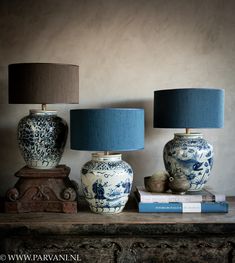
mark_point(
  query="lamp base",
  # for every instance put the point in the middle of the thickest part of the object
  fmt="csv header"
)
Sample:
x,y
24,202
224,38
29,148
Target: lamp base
x,y
42,136
42,191
190,155
106,182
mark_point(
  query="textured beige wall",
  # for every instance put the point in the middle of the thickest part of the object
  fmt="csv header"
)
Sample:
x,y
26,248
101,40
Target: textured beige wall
x,y
126,49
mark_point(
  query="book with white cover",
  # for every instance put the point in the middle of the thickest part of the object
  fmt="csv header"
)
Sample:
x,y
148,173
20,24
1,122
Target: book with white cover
x,y
168,197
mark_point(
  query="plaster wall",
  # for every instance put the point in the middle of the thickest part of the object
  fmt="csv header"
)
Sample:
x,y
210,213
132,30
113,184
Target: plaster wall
x,y
126,49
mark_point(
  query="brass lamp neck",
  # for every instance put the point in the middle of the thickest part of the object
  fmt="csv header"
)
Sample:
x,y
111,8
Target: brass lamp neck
x,y
187,130
44,107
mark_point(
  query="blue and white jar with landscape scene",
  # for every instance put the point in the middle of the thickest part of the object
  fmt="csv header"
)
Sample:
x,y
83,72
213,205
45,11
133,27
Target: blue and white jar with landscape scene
x,y
106,183
191,155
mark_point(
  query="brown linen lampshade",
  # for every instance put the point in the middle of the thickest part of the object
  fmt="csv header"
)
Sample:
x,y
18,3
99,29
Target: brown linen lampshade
x,y
43,83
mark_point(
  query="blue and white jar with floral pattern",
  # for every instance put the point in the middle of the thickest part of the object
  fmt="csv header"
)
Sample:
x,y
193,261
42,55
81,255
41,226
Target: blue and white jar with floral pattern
x,y
42,136
191,155
106,183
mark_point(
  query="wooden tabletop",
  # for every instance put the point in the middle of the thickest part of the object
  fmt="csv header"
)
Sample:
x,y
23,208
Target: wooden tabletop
x,y
85,222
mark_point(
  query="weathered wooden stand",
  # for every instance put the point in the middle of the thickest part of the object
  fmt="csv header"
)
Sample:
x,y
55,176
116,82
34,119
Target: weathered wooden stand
x,y
47,190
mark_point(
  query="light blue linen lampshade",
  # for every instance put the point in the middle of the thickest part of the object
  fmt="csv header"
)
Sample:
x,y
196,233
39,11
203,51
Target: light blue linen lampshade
x,y
109,129
189,108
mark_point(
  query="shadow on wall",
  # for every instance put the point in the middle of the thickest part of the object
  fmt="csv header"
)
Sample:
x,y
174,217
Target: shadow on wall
x,y
8,157
3,85
147,105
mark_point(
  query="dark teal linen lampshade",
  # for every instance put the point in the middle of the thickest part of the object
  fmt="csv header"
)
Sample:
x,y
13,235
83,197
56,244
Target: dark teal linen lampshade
x,y
109,129
189,108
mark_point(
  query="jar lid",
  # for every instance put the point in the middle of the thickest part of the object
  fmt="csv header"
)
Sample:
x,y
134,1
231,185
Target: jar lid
x,y
106,157
42,112
188,135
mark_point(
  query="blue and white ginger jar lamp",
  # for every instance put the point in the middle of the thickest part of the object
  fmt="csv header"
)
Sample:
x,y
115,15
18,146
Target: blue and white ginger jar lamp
x,y
107,179
42,134
189,153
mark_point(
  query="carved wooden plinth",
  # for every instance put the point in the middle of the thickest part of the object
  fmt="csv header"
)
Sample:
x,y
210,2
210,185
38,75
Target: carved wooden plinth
x,y
42,191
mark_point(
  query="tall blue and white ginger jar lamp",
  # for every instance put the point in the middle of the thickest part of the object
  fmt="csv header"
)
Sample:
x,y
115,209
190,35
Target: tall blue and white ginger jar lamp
x,y
42,134
107,179
188,153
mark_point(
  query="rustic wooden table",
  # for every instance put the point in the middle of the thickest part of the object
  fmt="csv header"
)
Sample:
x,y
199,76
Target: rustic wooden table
x,y
126,237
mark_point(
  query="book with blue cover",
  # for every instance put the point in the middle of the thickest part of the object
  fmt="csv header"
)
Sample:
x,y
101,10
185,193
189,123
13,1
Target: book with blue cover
x,y
203,207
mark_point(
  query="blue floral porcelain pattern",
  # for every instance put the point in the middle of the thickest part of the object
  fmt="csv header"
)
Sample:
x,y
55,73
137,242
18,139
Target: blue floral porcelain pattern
x,y
42,137
192,155
106,182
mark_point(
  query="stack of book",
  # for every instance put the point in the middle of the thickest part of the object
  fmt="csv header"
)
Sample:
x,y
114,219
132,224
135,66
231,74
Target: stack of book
x,y
203,201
